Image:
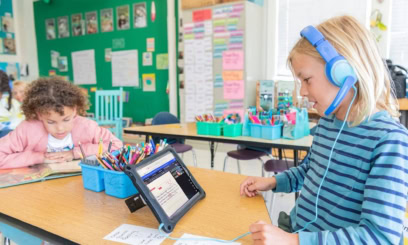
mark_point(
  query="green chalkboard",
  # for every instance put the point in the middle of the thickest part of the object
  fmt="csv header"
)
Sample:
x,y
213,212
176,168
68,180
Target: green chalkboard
x,y
141,105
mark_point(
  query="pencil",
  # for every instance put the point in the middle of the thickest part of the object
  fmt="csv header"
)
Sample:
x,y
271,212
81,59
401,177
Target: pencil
x,y
82,150
110,145
100,148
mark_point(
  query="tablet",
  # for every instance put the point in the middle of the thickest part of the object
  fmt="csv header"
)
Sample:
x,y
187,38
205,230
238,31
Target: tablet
x,y
166,185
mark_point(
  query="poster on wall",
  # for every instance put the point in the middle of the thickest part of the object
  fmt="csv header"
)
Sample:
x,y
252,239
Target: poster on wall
x,y
63,29
122,15
7,23
125,68
139,15
63,63
12,70
106,20
149,82
77,25
50,28
9,45
83,66
91,22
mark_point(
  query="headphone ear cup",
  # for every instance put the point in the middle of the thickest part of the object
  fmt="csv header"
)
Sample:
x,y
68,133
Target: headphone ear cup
x,y
338,69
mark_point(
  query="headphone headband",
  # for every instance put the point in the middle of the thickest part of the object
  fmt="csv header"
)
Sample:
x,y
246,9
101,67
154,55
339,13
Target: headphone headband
x,y
316,38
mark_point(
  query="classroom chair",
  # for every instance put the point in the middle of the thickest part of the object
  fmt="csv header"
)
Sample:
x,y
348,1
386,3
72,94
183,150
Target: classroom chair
x,y
178,145
245,154
273,167
109,110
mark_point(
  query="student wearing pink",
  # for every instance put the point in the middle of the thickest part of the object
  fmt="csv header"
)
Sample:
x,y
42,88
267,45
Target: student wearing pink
x,y
54,127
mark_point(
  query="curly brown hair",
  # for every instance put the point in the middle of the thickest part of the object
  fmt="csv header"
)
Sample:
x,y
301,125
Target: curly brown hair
x,y
53,93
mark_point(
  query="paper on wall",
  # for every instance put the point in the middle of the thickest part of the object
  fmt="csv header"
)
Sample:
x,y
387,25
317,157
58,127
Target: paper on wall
x,y
125,68
83,66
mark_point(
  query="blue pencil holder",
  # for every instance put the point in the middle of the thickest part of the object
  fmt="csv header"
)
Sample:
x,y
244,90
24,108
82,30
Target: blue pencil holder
x,y
255,130
271,132
116,184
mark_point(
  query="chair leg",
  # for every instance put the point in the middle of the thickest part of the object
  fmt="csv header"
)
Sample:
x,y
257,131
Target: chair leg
x,y
225,163
272,204
239,167
263,163
194,158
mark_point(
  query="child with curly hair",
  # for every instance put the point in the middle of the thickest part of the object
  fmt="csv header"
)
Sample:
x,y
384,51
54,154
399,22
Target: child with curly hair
x,y
53,128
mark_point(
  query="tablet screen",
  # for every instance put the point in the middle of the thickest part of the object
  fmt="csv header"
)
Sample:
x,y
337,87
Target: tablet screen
x,y
170,185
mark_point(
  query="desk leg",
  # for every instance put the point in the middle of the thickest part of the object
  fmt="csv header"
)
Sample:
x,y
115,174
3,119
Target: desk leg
x,y
280,153
296,163
212,153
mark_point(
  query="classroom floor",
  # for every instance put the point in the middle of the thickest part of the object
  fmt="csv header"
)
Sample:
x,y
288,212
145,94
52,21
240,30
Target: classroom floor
x,y
283,202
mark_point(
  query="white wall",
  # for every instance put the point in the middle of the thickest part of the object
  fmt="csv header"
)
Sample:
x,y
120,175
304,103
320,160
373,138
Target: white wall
x,y
26,44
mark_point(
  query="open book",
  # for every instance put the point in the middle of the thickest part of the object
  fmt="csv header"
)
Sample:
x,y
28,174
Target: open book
x,y
38,172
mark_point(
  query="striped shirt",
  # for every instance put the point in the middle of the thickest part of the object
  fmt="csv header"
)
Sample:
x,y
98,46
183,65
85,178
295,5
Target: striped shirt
x,y
364,194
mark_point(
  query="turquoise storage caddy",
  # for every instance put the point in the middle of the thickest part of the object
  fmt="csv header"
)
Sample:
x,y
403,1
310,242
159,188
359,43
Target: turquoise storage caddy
x,y
271,132
202,128
232,130
300,129
255,130
117,184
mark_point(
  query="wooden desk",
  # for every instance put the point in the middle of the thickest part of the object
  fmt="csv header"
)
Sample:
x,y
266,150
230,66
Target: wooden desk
x,y
189,131
63,207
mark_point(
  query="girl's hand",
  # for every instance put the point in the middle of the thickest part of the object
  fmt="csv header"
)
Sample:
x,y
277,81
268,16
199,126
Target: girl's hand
x,y
57,157
263,233
251,185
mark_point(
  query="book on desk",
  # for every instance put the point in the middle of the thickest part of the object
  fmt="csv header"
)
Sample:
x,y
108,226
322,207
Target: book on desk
x,y
38,172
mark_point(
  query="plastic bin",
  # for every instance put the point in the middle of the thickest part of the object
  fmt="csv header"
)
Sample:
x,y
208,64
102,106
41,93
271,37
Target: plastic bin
x,y
215,129
255,130
202,128
271,132
233,130
92,177
116,184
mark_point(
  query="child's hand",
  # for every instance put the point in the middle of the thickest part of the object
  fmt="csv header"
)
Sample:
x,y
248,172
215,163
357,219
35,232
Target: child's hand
x,y
56,157
263,233
252,185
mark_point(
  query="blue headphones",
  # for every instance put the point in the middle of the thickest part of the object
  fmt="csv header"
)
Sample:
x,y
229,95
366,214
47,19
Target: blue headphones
x,y
338,69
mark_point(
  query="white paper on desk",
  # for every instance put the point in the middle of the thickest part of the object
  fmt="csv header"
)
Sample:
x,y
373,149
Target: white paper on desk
x,y
204,242
132,234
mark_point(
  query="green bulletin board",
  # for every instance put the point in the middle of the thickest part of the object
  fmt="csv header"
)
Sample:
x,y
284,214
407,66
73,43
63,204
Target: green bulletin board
x,y
140,105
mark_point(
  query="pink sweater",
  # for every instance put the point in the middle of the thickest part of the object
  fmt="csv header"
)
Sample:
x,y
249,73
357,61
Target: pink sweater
x,y
27,144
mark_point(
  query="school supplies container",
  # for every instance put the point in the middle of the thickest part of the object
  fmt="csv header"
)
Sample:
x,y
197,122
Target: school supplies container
x,y
271,132
117,184
232,130
300,127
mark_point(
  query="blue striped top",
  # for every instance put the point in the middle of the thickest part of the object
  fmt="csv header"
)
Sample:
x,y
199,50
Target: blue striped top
x,y
364,194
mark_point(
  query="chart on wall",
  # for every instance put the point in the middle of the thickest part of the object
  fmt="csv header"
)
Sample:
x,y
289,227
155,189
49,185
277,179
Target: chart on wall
x,y
198,62
214,71
7,31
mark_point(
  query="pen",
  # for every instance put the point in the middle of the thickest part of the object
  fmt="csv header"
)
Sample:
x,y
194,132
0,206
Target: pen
x,y
82,150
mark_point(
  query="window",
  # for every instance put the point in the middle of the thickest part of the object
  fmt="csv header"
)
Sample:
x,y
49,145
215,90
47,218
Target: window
x,y
399,33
